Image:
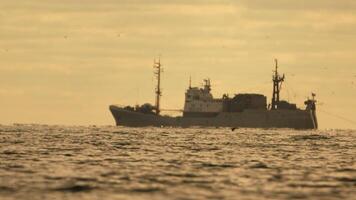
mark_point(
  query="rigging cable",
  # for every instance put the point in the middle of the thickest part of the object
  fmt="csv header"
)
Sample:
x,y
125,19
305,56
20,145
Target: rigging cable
x,y
339,117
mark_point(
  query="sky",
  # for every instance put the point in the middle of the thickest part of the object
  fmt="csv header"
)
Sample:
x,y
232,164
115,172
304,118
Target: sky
x,y
65,61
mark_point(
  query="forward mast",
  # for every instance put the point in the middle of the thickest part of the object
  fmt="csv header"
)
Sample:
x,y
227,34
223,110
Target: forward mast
x,y
158,70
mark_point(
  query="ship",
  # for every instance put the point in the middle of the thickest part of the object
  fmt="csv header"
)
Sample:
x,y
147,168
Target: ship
x,y
201,109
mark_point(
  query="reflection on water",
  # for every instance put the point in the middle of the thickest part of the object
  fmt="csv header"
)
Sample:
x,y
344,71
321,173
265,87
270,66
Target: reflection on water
x,y
56,162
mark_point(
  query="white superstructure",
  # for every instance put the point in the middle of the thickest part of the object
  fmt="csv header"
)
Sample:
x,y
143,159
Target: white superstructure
x,y
200,100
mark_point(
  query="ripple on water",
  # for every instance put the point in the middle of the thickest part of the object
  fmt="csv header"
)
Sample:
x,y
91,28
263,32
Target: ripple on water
x,y
309,137
258,165
346,170
214,165
89,162
347,180
73,188
11,152
6,189
146,189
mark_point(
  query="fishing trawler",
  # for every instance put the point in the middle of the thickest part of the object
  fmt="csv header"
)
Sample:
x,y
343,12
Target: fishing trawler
x,y
203,110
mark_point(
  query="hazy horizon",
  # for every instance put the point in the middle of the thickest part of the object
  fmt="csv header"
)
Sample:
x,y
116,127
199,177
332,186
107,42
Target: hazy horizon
x,y
65,62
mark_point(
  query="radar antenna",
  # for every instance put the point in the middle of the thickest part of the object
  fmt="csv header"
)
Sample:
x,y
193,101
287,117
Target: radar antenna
x,y
207,85
277,85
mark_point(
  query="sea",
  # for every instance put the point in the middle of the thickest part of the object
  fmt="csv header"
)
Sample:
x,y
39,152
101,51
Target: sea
x,y
108,162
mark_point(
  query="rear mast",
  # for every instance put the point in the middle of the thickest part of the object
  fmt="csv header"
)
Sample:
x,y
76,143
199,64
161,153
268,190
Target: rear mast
x,y
277,84
157,72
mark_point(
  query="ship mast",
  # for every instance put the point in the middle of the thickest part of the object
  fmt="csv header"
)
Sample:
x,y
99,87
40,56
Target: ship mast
x,y
157,72
190,82
277,84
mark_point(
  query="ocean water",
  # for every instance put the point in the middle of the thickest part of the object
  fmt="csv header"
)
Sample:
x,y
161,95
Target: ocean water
x,y
61,162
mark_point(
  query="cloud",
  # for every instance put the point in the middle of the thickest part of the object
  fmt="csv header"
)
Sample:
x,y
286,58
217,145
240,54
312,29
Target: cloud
x,y
14,92
103,50
290,5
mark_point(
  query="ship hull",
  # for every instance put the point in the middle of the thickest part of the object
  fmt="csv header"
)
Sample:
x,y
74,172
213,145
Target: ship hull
x,y
296,119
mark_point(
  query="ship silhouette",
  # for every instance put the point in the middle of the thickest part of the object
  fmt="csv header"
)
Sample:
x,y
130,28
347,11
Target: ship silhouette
x,y
202,109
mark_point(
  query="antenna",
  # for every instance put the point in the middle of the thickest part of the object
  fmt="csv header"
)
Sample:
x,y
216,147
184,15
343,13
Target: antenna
x,y
313,96
190,82
277,85
158,70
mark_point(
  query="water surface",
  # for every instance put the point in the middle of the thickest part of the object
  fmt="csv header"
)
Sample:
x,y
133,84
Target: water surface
x,y
60,162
